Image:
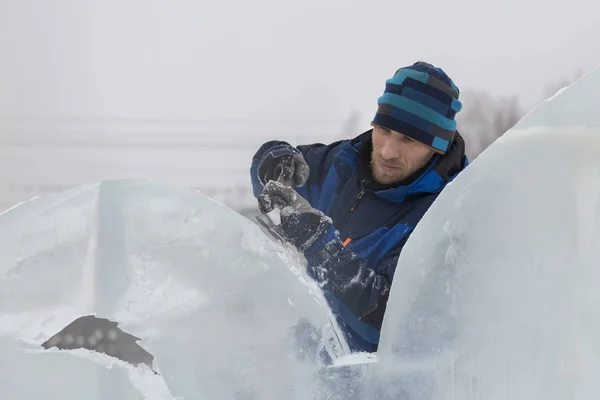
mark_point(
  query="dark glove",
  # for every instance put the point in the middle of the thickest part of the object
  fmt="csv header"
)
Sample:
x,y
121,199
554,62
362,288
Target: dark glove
x,y
283,163
300,222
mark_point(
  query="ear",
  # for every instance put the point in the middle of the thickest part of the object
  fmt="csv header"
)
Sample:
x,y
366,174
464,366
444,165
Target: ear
x,y
434,151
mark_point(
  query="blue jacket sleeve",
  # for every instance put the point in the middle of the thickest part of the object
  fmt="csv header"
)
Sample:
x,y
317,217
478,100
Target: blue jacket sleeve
x,y
356,292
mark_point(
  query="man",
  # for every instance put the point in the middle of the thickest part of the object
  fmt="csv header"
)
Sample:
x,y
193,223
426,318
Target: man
x,y
350,206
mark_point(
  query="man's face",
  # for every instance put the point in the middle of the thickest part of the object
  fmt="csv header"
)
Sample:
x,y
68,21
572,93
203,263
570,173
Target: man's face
x,y
396,156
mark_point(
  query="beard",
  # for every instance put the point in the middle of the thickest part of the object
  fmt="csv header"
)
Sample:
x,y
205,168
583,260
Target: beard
x,y
387,176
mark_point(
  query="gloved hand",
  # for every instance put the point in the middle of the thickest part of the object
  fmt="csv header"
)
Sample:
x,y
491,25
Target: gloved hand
x,y
285,164
300,222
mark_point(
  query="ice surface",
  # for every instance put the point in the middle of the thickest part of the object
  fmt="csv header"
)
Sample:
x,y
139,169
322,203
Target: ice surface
x,y
223,309
28,372
495,295
496,292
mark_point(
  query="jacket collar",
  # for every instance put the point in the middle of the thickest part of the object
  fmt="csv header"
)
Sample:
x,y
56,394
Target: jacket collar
x,y
432,179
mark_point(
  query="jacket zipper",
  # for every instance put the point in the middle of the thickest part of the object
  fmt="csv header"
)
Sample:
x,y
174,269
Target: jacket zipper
x,y
359,196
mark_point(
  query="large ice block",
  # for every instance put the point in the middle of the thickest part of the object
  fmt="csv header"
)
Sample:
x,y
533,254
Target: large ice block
x,y
225,312
496,292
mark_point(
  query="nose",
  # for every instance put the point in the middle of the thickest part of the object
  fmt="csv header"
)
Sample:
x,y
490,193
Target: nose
x,y
390,149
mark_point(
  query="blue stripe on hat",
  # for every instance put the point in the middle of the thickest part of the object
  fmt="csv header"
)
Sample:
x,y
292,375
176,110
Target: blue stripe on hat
x,y
418,109
424,99
403,115
443,98
403,128
394,88
456,105
435,72
403,73
454,87
439,143
431,69
431,91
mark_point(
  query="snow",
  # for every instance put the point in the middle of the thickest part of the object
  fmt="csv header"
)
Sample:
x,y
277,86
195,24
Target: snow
x,y
30,373
227,312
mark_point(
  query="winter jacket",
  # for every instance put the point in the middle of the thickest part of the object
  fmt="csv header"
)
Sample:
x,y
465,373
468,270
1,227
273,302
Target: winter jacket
x,y
370,226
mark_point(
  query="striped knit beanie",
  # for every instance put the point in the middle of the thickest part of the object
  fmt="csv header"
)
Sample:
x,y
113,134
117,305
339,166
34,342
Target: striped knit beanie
x,y
420,101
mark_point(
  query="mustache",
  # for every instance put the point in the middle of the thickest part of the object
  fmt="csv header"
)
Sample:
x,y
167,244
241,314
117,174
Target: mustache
x,y
392,164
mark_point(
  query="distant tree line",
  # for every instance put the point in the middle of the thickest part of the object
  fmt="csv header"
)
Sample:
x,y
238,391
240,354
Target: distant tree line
x,y
485,117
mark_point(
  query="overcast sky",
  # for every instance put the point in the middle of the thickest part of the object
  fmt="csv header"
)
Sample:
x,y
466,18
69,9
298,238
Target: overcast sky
x,y
272,59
